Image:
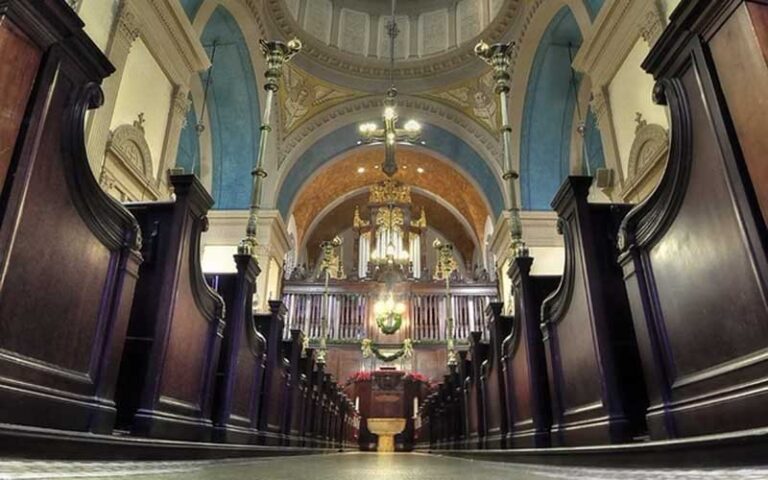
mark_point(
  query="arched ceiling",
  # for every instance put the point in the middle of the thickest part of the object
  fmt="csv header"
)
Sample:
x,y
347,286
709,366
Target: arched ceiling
x,y
439,218
360,168
345,40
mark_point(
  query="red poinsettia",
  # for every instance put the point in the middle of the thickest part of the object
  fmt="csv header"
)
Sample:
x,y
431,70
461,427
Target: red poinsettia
x,y
360,376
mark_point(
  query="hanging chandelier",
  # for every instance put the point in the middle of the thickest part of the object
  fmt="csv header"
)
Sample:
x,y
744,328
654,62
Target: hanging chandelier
x,y
390,134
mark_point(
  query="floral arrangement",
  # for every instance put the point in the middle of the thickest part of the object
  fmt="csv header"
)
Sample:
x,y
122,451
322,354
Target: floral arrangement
x,y
360,376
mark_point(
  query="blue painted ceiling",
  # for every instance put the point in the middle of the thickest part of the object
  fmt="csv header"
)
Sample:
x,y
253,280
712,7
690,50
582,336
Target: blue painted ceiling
x,y
233,110
436,139
548,114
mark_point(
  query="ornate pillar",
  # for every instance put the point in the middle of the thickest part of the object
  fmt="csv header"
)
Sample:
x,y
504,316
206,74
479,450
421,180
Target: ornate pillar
x,y
499,56
125,32
445,266
276,53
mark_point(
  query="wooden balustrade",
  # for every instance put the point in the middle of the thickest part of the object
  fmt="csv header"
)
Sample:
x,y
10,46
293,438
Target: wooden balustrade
x,y
351,309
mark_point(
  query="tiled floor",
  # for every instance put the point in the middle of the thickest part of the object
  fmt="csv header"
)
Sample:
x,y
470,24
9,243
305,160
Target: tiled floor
x,y
352,466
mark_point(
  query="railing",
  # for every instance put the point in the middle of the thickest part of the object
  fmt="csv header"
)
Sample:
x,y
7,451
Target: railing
x,y
351,309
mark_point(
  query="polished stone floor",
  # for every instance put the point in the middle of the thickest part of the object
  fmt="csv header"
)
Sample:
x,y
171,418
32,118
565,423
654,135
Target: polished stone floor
x,y
351,466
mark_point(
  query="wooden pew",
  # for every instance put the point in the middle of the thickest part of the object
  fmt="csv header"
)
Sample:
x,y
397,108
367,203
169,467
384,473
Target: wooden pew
x,y
167,375
296,390
595,377
314,406
68,252
478,352
309,377
694,253
293,350
462,371
243,357
492,378
524,362
276,378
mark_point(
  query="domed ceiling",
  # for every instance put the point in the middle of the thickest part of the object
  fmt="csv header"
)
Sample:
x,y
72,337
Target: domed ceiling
x,y
346,40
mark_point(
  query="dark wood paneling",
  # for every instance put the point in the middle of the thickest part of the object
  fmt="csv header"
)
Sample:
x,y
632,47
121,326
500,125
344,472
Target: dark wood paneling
x,y
524,362
478,353
243,355
694,264
68,252
494,393
18,69
167,375
596,382
277,376
739,52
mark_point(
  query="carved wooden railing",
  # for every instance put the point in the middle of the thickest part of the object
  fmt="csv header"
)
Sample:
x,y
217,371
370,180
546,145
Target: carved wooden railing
x,y
351,309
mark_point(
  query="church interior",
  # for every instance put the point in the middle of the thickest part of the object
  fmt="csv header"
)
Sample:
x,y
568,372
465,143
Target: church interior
x,y
331,239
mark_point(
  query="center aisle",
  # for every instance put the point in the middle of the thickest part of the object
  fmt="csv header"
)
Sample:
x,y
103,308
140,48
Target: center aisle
x,y
350,466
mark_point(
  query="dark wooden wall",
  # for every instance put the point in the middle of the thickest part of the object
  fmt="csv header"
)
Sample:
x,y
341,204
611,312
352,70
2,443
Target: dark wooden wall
x,y
595,377
695,253
105,318
659,327
243,356
68,252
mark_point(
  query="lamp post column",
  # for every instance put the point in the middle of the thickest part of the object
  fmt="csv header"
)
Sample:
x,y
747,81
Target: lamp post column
x,y
328,260
445,266
277,54
498,56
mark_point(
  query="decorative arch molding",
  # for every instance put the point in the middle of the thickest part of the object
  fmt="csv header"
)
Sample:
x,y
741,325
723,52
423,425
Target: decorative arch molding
x,y
454,187
414,75
318,135
448,149
128,143
361,109
128,171
646,161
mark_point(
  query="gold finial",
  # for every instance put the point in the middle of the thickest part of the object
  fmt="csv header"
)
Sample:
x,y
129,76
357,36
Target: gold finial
x,y
357,221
